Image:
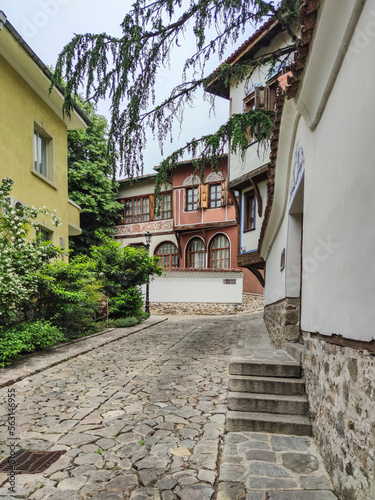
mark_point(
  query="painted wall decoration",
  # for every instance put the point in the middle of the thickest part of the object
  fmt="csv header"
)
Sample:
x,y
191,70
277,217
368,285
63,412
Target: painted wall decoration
x,y
192,180
153,227
214,177
298,169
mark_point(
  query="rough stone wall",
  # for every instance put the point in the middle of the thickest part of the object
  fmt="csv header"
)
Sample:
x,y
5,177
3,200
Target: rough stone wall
x,y
340,383
282,321
250,303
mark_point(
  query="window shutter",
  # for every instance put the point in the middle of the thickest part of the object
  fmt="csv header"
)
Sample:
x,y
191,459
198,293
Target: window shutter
x,y
151,207
224,194
262,98
229,198
199,194
204,196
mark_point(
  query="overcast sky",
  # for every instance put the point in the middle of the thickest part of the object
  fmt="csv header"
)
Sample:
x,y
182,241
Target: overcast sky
x,y
47,25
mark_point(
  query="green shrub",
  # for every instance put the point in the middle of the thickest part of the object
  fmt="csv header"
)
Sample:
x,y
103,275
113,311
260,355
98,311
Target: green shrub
x,y
126,322
123,271
27,337
125,304
69,295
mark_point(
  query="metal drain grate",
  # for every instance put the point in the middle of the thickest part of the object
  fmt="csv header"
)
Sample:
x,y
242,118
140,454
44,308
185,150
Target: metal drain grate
x,y
30,461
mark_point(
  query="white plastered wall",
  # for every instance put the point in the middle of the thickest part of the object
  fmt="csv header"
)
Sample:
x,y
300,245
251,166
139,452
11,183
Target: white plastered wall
x,y
339,291
197,287
337,135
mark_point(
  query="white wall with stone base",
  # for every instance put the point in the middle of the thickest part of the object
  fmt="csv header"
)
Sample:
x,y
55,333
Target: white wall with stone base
x,y
250,303
340,383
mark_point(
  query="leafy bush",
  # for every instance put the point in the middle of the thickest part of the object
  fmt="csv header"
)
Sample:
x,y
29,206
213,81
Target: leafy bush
x,y
126,322
69,295
27,337
122,271
126,304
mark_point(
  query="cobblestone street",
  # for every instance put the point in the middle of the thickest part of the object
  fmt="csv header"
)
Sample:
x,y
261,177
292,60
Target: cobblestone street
x,y
143,418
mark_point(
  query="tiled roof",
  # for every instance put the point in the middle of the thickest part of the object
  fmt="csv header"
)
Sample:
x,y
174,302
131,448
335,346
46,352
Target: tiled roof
x,y
186,162
251,43
242,48
308,16
139,178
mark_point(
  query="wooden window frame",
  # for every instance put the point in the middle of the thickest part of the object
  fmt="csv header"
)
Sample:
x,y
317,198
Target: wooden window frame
x,y
218,196
249,222
150,213
162,211
220,250
189,252
268,101
142,214
163,256
191,204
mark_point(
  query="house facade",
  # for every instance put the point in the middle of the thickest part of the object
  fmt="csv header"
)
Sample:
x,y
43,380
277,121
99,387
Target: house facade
x,y
142,215
33,135
193,224
317,232
248,175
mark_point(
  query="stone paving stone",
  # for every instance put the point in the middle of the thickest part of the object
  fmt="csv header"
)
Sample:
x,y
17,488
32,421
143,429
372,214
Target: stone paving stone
x,y
300,463
257,483
280,443
145,494
72,483
231,472
266,456
302,495
126,483
231,491
267,470
196,492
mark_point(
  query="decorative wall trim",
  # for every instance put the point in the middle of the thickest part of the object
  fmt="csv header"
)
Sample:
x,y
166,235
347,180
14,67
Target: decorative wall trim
x,y
191,180
142,227
215,177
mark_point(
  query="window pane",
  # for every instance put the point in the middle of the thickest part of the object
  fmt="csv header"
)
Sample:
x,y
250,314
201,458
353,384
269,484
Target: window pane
x,y
146,209
43,157
220,252
137,210
128,211
168,254
36,150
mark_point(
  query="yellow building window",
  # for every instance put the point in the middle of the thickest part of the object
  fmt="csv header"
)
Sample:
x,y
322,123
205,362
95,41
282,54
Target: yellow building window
x,y
40,153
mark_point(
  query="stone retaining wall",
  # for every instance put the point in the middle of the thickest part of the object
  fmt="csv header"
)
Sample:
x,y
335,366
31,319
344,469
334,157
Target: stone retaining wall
x,y
282,321
250,303
340,383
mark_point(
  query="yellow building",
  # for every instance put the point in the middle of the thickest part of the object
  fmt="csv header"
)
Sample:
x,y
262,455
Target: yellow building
x,y
33,135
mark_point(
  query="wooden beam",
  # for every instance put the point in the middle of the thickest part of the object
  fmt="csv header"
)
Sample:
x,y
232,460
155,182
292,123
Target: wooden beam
x,y
257,274
257,195
178,236
236,205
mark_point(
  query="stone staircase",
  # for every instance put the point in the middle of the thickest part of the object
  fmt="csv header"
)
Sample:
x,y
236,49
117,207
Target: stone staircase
x,y
267,393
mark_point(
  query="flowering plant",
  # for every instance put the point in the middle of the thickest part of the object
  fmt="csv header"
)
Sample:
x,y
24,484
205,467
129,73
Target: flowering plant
x,y
22,256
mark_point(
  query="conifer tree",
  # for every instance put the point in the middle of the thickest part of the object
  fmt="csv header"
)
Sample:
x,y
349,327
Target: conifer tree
x,y
125,69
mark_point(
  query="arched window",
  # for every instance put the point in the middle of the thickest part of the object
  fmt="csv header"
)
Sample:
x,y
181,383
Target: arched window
x,y
167,254
196,253
219,252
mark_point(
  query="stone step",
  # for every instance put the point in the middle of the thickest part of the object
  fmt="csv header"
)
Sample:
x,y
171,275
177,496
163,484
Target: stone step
x,y
239,421
244,366
295,350
266,385
268,403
